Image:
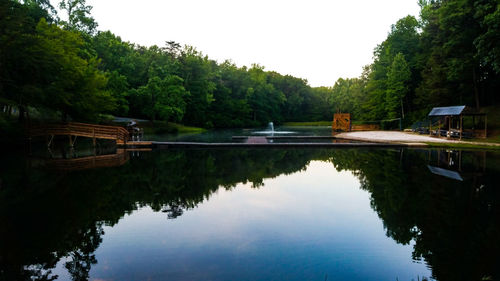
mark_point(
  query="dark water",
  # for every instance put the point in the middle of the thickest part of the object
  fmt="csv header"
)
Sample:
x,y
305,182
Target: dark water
x,y
224,135
261,214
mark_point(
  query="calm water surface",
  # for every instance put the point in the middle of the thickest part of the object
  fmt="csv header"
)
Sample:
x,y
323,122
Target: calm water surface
x,y
260,214
224,135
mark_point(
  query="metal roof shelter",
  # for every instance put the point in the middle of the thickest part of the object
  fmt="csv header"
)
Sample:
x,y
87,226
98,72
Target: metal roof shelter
x,y
449,112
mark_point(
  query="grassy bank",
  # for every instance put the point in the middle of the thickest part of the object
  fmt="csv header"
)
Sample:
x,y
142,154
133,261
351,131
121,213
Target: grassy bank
x,y
463,146
160,127
315,123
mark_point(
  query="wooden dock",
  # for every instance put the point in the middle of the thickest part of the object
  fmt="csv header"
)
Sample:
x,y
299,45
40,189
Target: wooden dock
x,y
287,137
167,145
138,144
74,130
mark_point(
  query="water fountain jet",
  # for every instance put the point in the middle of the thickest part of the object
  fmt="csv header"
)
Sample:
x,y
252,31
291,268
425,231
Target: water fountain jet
x,y
270,131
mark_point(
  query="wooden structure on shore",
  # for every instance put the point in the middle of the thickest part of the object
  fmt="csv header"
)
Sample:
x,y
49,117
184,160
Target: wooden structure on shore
x,y
74,130
341,122
365,127
454,122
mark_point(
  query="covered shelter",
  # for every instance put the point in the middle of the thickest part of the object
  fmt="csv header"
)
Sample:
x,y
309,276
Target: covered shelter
x,y
452,117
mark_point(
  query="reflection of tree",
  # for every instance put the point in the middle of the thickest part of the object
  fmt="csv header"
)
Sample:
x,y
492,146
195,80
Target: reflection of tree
x,y
455,224
173,211
46,215
82,257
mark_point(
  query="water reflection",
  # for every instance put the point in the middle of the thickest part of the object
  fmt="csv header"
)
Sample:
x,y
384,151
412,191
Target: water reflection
x,y
47,216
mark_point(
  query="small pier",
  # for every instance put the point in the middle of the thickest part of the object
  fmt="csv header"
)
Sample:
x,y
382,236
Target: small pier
x,y
286,137
167,145
73,130
138,145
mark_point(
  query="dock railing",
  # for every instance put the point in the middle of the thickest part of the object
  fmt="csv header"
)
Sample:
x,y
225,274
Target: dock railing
x,y
119,134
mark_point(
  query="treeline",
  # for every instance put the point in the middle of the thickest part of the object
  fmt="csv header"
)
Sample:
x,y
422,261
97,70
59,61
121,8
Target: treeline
x,y
68,70
450,55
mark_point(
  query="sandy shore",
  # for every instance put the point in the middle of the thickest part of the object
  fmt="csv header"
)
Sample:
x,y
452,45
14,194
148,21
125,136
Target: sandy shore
x,y
391,136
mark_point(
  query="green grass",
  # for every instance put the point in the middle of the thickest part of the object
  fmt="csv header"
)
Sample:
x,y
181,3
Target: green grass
x,y
187,129
162,127
315,123
463,146
490,139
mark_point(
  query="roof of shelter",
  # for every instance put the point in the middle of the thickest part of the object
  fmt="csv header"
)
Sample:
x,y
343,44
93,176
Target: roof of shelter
x,y
445,173
447,110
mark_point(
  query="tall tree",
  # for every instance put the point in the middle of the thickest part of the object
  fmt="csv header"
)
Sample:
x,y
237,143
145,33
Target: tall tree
x,y
69,83
78,16
398,79
196,70
163,98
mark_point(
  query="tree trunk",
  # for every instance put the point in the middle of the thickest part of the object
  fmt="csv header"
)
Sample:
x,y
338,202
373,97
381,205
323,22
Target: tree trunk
x,y
476,90
22,109
402,110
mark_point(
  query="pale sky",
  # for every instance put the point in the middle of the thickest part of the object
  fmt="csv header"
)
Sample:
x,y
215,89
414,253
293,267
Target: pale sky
x,y
318,40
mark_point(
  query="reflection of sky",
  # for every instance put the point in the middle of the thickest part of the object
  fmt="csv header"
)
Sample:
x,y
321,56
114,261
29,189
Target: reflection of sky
x,y
303,226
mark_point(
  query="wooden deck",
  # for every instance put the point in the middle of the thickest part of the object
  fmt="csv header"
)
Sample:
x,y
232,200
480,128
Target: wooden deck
x,y
72,129
167,145
288,137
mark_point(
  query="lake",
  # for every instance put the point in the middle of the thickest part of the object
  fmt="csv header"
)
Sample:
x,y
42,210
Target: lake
x,y
252,214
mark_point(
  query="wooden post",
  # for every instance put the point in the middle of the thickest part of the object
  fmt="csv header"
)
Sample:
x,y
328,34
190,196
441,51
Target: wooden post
x,y
485,126
460,160
430,127
49,143
461,125
93,136
70,141
484,161
449,125
439,128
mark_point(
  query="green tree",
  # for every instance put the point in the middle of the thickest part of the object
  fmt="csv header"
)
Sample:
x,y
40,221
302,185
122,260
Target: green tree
x,y
196,70
405,39
73,85
118,87
230,107
398,78
78,16
263,98
488,43
164,98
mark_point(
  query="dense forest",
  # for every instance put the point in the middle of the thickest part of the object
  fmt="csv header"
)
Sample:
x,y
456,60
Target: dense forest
x,y
69,70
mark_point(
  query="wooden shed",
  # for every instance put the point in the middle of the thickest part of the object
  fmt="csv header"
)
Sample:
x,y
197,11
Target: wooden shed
x,y
341,122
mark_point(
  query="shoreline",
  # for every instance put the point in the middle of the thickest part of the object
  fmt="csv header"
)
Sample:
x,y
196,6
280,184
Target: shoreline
x,y
407,138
